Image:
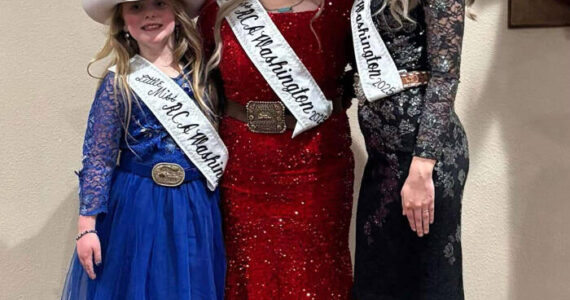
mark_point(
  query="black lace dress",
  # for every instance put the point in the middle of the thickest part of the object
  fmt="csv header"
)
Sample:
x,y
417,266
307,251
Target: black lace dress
x,y
392,262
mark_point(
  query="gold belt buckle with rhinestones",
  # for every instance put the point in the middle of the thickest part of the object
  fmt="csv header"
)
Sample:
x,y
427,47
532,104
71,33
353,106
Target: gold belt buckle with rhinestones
x,y
265,117
168,174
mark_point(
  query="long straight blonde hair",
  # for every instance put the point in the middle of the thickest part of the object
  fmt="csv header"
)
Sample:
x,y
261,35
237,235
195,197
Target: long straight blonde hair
x,y
187,49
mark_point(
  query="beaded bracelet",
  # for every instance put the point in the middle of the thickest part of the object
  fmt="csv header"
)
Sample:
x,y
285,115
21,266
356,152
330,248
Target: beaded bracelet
x,y
84,233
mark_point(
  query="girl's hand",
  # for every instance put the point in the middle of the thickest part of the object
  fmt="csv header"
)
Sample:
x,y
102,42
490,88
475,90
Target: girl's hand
x,y
88,246
418,195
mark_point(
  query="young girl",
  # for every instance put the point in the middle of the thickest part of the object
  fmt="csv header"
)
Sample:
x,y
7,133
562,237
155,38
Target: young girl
x,y
150,227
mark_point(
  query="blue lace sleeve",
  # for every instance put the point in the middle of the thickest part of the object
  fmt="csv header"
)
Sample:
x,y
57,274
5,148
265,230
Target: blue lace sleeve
x,y
100,150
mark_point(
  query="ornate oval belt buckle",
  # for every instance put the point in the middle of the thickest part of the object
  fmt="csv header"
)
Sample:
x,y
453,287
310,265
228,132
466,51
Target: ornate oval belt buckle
x,y
168,174
266,117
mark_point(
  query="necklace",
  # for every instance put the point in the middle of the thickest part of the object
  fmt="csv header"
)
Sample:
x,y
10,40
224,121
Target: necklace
x,y
283,9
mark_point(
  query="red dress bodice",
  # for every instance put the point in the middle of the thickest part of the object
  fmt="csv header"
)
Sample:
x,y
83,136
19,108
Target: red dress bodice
x,y
243,82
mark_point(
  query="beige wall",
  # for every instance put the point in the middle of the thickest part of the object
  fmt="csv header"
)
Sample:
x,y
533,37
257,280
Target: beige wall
x,y
514,100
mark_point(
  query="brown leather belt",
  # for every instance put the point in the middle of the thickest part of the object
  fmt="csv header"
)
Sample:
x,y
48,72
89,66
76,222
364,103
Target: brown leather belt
x,y
266,116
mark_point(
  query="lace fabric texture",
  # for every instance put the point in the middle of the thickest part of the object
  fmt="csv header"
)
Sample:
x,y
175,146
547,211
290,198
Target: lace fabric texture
x,y
100,149
105,138
432,43
444,33
391,262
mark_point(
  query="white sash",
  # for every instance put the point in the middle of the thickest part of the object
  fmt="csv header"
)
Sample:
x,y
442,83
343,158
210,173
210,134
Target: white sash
x,y
279,65
181,117
379,76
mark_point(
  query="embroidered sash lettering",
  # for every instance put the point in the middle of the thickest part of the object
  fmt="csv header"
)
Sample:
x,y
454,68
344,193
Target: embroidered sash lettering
x,y
379,76
279,65
181,117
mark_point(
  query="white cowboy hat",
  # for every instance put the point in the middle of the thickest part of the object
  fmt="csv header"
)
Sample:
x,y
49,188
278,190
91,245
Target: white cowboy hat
x,y
101,10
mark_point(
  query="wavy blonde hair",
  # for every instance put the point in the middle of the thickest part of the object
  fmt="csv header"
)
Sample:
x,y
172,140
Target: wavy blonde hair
x,y
224,10
400,9
187,49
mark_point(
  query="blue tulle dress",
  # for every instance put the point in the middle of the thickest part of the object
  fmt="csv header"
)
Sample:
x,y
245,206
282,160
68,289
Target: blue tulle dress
x,y
157,242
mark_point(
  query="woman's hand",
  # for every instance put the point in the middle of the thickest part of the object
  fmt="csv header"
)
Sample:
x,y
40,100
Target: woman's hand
x,y
88,246
418,195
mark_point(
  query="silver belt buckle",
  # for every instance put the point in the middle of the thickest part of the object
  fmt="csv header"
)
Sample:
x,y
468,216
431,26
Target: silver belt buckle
x,y
168,174
266,117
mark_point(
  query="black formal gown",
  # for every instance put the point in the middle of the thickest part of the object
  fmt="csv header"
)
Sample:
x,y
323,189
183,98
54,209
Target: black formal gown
x,y
392,262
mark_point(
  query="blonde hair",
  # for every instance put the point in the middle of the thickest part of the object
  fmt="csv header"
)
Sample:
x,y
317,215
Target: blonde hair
x,y
187,49
223,11
400,9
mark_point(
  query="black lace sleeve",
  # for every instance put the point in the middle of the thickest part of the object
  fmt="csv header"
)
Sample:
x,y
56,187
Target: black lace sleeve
x,y
444,28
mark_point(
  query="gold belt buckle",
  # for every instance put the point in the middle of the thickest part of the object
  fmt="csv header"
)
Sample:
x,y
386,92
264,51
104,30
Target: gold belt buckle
x,y
168,174
265,117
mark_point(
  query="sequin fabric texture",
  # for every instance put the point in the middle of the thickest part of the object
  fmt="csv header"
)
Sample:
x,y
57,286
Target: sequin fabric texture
x,y
287,202
391,261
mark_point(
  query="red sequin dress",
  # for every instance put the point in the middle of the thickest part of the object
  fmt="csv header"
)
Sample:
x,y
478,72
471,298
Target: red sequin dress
x,y
287,202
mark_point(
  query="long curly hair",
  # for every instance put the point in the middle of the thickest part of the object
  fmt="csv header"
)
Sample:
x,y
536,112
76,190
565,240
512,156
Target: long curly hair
x,y
187,50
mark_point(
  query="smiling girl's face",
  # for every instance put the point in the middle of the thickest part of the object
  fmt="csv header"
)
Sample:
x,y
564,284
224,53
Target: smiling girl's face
x,y
150,22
